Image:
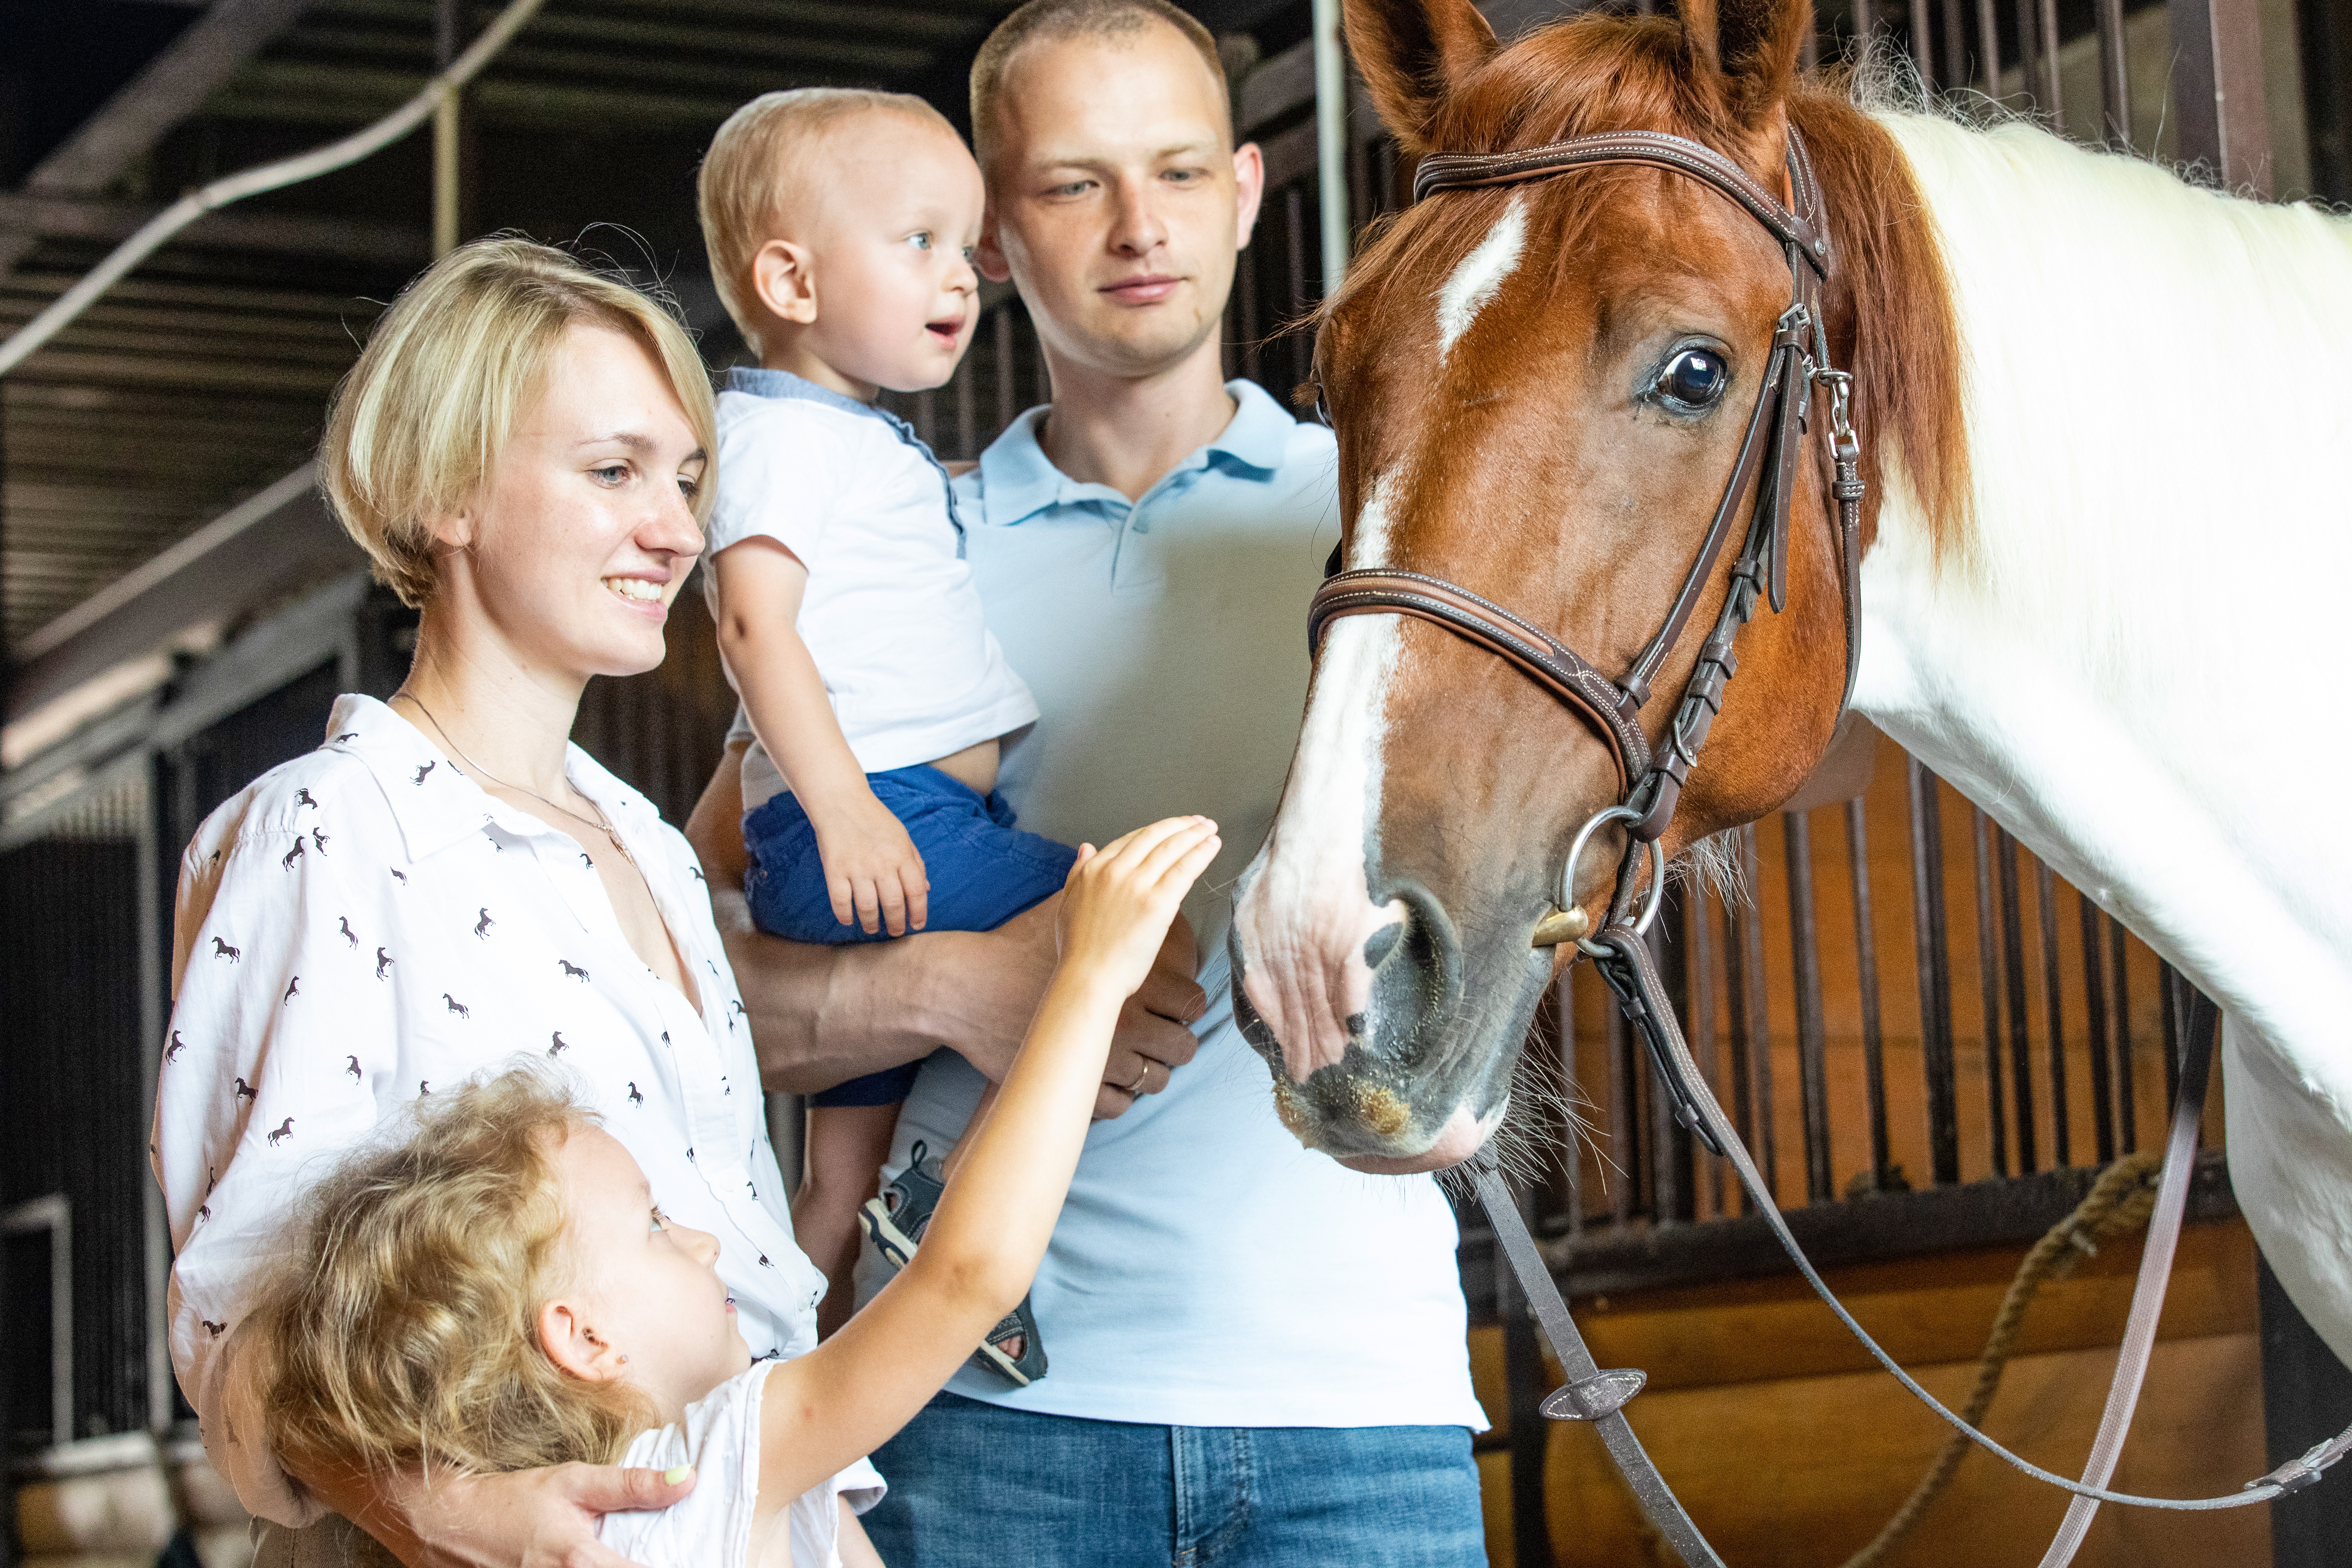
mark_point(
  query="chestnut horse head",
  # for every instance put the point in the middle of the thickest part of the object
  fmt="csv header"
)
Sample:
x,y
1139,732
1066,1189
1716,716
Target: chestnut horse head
x,y
1540,391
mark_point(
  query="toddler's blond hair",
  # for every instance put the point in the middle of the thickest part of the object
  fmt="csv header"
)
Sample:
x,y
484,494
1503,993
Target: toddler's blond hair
x,y
757,173
403,1331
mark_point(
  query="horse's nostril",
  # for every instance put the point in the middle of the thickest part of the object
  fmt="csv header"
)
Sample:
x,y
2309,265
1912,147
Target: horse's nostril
x,y
1381,942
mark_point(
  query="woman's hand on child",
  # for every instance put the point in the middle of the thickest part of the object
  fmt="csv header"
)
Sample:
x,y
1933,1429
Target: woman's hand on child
x,y
872,868
1120,900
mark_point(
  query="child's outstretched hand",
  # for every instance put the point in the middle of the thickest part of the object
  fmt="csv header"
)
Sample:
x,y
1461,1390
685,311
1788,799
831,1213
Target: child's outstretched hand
x,y
872,869
1120,900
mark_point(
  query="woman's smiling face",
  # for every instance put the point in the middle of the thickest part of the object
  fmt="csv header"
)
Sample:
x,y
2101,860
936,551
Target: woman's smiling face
x,y
584,531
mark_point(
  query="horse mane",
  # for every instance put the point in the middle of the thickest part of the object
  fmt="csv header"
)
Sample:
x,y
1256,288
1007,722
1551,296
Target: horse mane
x,y
1597,73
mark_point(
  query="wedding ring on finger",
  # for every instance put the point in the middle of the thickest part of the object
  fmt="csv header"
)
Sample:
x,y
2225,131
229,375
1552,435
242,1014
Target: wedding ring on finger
x,y
1136,1088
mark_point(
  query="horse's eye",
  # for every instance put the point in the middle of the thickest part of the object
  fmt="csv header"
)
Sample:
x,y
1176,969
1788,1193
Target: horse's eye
x,y
1694,378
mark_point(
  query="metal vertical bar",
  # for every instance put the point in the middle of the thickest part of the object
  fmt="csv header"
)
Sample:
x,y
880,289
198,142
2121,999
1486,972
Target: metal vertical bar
x,y
2013,963
2217,46
1865,19
1865,963
2126,1090
2114,75
2167,985
1989,49
1669,1201
1935,965
1735,992
1331,142
1812,1073
446,23
2055,107
1253,328
1293,225
2095,1006
1955,48
1923,53
1989,980
1621,1124
2045,905
1699,986
1005,407
1523,1381
2029,39
1760,1020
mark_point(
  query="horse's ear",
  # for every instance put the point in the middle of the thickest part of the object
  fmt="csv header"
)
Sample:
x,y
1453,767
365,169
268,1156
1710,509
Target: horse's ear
x,y
1749,50
1413,54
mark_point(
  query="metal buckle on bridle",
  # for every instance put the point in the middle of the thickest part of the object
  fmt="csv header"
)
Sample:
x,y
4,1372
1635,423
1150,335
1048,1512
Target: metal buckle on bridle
x,y
1593,824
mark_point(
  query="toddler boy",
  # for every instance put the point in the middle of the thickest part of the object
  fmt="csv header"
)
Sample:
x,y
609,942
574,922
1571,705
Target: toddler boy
x,y
840,226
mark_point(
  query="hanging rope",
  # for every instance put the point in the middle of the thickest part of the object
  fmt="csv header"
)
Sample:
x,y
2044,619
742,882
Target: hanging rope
x,y
2118,1205
267,177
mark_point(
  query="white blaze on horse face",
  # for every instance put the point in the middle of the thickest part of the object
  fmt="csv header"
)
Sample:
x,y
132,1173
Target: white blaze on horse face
x,y
1479,275
1308,911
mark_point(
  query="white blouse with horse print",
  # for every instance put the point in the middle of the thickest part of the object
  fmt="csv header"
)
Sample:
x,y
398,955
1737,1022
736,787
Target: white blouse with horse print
x,y
365,925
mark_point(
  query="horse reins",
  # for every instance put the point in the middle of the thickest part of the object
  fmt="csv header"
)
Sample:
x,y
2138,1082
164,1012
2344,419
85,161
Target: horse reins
x,y
1651,781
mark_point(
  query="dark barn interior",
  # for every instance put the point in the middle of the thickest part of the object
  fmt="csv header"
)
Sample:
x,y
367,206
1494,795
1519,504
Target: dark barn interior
x,y
1934,1042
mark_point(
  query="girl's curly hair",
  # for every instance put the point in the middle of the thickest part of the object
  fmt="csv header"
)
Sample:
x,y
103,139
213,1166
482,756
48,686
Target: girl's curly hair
x,y
402,1331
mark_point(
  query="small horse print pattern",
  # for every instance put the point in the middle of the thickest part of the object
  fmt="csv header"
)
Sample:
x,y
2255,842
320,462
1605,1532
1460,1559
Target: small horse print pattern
x,y
291,987
284,1132
353,1068
383,963
398,875
423,1087
244,1090
349,935
561,1044
482,927
223,950
302,798
457,1006
292,854
573,971
635,1098
172,1052
423,770
319,840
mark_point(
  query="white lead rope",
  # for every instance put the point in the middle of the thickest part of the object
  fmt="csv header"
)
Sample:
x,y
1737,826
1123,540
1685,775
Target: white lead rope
x,y
267,177
2147,1295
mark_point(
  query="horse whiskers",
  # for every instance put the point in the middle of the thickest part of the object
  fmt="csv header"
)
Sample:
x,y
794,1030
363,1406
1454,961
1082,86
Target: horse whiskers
x,y
1713,866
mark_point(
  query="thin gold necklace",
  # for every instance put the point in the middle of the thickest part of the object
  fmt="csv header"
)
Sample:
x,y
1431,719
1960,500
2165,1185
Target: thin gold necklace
x,y
603,824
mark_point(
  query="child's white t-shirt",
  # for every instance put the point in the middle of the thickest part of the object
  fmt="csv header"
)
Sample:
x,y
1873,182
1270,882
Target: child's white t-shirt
x,y
712,1526
889,615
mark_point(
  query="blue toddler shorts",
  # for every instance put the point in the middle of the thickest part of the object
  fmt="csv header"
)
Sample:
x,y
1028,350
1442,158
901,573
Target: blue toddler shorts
x,y
983,871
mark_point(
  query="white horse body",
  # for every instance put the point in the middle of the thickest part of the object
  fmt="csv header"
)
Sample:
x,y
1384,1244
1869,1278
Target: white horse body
x,y
2130,660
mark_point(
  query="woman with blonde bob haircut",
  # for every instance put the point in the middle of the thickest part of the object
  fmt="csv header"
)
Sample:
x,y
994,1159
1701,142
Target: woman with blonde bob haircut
x,y
522,450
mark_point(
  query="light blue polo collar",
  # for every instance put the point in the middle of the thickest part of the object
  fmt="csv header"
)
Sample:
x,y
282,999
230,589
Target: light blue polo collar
x,y
761,383
1017,481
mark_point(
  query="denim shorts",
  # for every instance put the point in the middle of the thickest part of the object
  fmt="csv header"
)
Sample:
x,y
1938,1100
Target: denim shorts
x,y
978,1486
983,871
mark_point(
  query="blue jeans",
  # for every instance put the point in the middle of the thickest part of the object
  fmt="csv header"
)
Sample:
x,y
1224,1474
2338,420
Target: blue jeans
x,y
983,871
979,1486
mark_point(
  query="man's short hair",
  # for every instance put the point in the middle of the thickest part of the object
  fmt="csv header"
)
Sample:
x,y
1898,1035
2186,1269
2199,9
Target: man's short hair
x,y
757,171
1041,20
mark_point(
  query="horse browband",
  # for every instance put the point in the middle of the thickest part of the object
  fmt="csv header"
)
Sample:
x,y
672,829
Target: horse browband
x,y
1652,784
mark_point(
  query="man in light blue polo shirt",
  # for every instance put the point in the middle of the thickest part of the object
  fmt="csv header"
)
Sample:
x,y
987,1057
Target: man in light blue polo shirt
x,y
1257,1356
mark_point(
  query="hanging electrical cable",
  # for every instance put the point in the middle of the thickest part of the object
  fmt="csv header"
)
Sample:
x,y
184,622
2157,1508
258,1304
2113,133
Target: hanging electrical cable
x,y
267,177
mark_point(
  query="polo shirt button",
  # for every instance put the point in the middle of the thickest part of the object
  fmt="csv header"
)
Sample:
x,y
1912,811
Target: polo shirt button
x,y
1143,528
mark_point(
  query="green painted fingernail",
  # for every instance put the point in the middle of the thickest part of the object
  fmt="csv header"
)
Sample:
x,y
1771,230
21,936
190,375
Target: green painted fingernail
x,y
671,1478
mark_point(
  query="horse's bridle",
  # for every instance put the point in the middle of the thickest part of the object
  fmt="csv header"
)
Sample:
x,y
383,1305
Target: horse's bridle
x,y
1651,783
